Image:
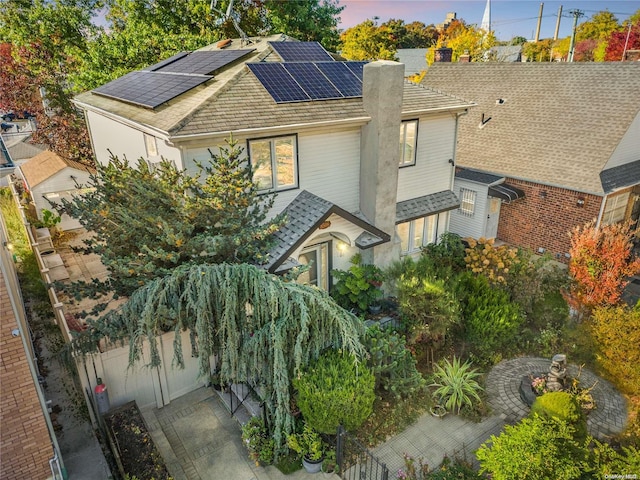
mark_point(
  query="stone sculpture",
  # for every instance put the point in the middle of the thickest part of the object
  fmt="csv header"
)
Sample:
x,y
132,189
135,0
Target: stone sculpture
x,y
557,375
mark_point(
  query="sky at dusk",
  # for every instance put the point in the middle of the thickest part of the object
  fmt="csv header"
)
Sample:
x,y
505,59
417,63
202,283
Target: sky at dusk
x,y
509,18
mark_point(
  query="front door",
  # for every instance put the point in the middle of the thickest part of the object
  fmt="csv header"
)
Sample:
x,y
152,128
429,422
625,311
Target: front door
x,y
493,216
317,258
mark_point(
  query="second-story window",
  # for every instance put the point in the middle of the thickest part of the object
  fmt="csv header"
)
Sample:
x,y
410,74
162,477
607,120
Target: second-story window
x,y
274,163
408,136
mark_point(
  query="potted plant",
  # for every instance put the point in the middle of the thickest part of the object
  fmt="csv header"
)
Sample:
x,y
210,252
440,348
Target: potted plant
x,y
307,444
260,444
330,464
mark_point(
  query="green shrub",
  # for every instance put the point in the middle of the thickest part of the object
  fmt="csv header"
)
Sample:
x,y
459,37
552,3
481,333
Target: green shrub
x,y
456,470
536,448
456,384
447,255
392,365
491,321
307,444
359,286
336,390
428,308
562,406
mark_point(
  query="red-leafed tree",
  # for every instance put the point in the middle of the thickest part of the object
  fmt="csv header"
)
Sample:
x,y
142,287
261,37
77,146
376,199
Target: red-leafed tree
x,y
601,261
17,89
629,37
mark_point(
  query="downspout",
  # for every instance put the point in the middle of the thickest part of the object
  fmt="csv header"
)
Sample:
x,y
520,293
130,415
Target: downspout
x,y
602,205
62,475
453,165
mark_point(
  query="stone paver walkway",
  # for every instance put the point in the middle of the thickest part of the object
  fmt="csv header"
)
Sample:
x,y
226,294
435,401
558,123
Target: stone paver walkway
x,y
200,441
609,417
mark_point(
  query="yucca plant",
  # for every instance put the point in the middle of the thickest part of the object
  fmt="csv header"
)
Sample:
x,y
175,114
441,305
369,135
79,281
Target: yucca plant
x,y
456,384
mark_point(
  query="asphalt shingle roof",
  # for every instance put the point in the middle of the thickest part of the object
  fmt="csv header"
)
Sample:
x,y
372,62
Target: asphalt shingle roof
x,y
303,215
426,205
235,100
620,176
478,177
558,124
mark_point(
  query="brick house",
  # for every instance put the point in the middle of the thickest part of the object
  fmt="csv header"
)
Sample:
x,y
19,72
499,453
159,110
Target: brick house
x,y
565,134
361,160
27,438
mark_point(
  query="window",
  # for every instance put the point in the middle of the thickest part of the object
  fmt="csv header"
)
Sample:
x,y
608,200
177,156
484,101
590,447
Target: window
x,y
467,202
151,145
615,209
416,234
274,163
408,135
317,258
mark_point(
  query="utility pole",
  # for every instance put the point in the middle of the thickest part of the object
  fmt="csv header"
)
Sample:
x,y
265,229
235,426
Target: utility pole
x,y
576,14
539,23
555,35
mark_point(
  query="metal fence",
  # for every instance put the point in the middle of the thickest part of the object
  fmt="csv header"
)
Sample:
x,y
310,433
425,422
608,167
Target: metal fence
x,y
356,462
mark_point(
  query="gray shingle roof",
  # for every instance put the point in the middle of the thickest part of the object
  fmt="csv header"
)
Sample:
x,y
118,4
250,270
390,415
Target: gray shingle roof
x,y
304,215
558,125
620,176
414,59
478,177
426,205
236,100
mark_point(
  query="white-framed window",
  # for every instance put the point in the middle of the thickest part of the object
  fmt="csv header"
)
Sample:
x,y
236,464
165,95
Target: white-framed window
x,y
615,208
316,257
274,162
151,145
416,234
467,202
408,139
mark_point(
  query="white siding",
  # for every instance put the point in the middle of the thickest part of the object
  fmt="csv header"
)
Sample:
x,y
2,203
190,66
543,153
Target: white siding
x,y
122,140
60,183
432,171
628,150
328,166
474,226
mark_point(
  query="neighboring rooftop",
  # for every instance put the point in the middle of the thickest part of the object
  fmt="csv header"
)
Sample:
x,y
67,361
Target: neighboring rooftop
x,y
552,123
45,165
6,164
414,59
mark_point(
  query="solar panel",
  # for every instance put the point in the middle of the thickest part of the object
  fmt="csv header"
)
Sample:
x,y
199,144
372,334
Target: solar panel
x,y
204,62
150,89
277,81
169,60
312,80
356,68
344,80
301,52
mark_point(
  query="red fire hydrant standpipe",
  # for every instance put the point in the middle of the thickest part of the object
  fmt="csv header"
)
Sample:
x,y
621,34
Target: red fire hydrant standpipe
x,y
102,397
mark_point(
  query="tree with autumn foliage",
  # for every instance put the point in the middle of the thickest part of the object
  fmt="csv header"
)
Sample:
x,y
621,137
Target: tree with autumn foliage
x,y
147,221
601,261
628,36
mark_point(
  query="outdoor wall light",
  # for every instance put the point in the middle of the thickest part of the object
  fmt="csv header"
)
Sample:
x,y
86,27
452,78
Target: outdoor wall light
x,y
15,332
342,247
580,202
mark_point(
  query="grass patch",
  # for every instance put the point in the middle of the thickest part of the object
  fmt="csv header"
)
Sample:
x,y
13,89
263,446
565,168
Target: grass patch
x,y
289,463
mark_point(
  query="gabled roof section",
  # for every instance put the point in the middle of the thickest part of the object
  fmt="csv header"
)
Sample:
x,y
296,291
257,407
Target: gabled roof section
x,y
552,123
303,216
235,100
47,164
426,205
414,59
25,149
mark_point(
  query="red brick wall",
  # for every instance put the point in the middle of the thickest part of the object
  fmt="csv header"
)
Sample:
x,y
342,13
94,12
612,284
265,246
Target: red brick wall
x,y
544,217
25,446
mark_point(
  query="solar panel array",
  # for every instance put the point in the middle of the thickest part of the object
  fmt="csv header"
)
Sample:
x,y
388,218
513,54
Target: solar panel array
x,y
306,81
301,52
150,89
203,62
167,61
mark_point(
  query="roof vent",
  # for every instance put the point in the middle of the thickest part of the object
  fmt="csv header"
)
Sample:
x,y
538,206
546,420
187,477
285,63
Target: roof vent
x,y
500,101
223,43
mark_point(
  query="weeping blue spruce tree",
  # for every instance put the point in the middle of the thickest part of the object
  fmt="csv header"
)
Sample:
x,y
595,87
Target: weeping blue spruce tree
x,y
259,327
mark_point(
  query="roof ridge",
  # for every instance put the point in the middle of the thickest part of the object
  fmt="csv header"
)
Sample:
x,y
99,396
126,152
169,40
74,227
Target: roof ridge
x,y
440,92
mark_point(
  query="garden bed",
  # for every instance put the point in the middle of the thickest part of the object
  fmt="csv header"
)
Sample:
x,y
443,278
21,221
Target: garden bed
x,y
135,452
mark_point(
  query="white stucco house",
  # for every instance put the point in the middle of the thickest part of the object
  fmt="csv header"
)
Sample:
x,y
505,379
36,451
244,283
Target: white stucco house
x,y
361,160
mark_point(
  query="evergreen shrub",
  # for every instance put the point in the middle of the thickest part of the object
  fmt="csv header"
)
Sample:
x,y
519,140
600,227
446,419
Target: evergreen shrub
x,y
335,390
562,406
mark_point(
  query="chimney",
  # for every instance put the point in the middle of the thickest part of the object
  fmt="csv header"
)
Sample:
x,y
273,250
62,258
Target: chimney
x,y
382,91
443,54
466,58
